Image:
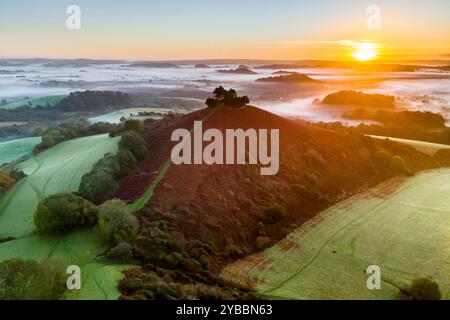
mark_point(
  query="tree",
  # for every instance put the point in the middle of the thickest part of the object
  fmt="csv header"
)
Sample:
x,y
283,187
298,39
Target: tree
x,y
227,97
134,125
117,223
135,143
127,162
398,165
30,280
211,102
98,185
220,93
60,213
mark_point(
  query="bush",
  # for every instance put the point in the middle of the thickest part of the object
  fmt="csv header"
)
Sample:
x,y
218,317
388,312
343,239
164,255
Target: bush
x,y
421,289
5,180
117,223
443,157
263,242
127,162
398,166
30,280
233,250
381,158
122,252
98,186
274,214
135,143
109,164
134,125
60,213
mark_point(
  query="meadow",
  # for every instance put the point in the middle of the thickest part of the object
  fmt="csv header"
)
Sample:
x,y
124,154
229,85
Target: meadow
x,y
402,226
15,149
59,169
42,101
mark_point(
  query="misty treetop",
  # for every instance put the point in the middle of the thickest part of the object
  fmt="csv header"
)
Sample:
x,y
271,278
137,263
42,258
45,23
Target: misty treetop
x,y
90,100
228,98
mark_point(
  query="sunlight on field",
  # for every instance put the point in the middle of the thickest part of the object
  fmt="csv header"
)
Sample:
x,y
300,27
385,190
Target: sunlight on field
x,y
405,231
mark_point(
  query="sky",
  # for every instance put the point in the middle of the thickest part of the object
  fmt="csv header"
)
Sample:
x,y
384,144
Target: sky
x,y
210,29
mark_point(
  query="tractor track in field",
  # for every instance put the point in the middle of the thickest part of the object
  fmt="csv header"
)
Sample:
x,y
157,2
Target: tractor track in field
x,y
373,208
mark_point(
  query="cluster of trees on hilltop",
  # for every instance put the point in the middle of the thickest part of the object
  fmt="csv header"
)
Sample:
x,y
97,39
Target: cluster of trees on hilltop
x,y
93,100
226,97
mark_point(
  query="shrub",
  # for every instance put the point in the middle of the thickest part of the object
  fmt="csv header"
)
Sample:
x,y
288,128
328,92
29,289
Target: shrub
x,y
421,289
135,143
443,157
274,214
98,186
314,156
134,125
109,164
60,213
5,180
122,252
127,162
262,242
233,250
30,280
117,223
398,165
381,158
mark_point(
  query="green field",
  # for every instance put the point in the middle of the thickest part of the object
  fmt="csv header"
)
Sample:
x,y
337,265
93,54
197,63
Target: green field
x,y
422,146
401,226
59,169
15,149
42,101
130,113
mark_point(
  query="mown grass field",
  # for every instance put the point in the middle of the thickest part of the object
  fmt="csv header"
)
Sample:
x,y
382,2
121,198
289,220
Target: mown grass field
x,y
15,149
59,169
422,146
401,226
114,117
42,101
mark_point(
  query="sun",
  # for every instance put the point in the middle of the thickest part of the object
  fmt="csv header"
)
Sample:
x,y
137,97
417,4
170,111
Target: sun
x,y
365,51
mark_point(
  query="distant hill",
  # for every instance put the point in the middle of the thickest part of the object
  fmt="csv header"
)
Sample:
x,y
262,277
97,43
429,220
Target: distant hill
x,y
290,79
202,66
281,66
239,70
153,65
280,72
358,98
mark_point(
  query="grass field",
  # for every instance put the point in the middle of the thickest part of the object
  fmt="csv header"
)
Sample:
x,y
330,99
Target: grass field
x,y
59,169
42,101
15,149
401,226
422,146
131,113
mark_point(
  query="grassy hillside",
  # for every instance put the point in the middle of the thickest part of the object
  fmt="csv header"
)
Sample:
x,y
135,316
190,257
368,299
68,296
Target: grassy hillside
x,y
422,146
42,101
59,169
402,226
13,150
